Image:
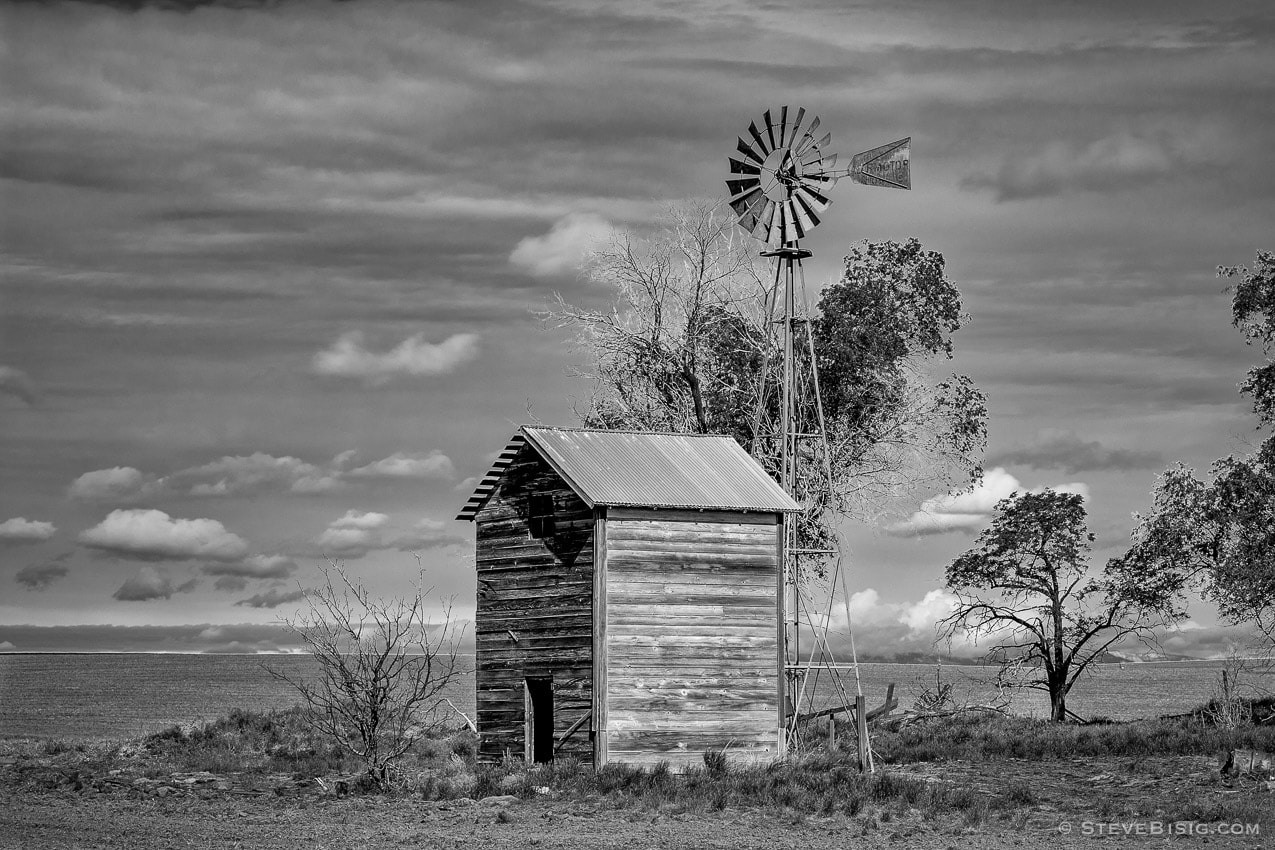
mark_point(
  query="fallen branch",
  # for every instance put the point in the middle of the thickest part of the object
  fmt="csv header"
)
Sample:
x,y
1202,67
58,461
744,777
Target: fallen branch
x,y
463,716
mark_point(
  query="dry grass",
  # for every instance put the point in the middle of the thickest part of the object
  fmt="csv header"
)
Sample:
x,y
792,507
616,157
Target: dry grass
x,y
988,737
985,753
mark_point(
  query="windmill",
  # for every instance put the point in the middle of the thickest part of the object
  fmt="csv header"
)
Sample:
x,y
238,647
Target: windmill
x,y
780,178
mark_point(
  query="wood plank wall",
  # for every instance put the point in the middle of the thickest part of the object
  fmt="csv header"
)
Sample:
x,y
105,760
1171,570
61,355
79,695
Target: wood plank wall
x,y
692,636
541,590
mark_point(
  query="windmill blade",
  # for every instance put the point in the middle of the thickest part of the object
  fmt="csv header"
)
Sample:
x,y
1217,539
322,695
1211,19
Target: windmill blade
x,y
794,227
753,213
745,201
761,143
748,206
796,125
888,165
743,185
814,146
776,234
811,201
820,180
749,153
807,138
770,128
762,228
820,164
783,126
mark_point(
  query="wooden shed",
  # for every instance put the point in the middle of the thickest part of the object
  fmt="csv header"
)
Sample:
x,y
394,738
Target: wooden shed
x,y
628,600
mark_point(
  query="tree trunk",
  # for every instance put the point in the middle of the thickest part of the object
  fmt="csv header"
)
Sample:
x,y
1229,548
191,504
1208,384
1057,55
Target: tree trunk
x,y
1057,704
1058,694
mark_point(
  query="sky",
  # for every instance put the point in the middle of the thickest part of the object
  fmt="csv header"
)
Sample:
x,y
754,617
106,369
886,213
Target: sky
x,y
270,270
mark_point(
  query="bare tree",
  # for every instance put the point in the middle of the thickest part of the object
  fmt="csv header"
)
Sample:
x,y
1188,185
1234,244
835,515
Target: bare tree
x,y
684,340
384,668
1026,588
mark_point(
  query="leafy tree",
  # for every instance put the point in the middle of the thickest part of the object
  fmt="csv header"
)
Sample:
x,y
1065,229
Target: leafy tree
x,y
1217,534
384,669
1026,587
688,345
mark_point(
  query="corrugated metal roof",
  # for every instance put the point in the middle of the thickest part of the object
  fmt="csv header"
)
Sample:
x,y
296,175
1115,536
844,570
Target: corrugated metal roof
x,y
639,469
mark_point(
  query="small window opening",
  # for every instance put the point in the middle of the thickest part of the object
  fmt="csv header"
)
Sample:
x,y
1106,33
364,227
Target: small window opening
x,y
540,517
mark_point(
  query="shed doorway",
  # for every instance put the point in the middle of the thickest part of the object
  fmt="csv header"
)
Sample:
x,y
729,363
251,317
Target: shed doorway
x,y
539,702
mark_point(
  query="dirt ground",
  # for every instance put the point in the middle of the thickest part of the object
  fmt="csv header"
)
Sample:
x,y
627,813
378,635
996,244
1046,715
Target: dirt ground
x,y
1071,805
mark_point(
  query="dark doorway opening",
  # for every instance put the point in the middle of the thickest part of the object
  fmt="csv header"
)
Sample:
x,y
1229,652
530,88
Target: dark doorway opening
x,y
539,720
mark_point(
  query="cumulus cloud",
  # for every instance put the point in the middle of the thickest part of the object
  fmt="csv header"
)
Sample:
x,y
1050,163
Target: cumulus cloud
x,y
254,473
40,576
362,521
153,535
272,598
893,629
353,535
427,534
259,472
348,358
14,382
969,510
1113,162
253,567
435,464
1058,449
921,616
151,583
564,247
23,530
117,483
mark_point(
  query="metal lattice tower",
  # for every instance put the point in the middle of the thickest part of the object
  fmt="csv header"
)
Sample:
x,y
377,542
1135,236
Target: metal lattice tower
x,y
779,179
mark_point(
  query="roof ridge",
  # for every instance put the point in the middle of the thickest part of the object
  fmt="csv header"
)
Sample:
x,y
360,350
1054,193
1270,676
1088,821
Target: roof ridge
x,y
624,431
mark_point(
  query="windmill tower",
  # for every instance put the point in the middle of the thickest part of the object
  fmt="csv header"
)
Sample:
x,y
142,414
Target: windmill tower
x,y
780,178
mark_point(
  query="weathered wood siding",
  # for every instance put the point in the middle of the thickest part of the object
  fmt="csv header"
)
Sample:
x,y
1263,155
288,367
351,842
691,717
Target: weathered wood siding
x,y
691,636
541,590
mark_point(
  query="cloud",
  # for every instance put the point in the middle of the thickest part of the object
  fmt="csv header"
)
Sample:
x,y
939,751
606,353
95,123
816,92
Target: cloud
x,y
272,598
253,567
230,584
363,522
427,534
40,576
15,382
401,465
564,247
923,615
1110,163
353,535
22,530
254,473
153,535
969,510
414,356
1057,449
151,583
116,483
7,646
259,472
